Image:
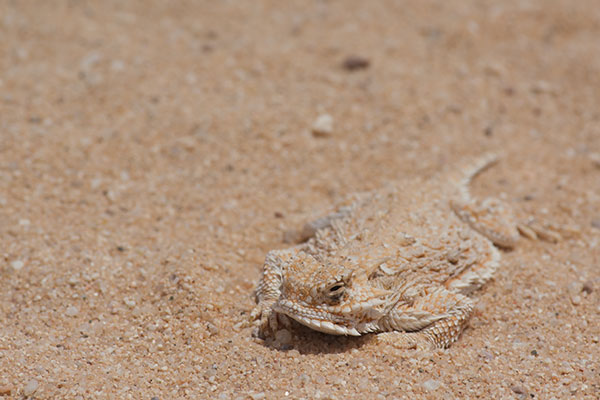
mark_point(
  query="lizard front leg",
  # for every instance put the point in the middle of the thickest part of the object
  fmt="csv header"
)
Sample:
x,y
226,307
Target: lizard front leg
x,y
269,289
434,320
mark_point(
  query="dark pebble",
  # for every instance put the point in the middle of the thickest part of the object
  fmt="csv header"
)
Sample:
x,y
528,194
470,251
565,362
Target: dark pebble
x,y
355,63
588,287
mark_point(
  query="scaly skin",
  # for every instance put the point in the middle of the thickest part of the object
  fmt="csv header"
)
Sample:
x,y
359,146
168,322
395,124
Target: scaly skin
x,y
402,260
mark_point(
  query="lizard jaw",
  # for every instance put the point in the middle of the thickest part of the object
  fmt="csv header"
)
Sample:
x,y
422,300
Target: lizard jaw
x,y
315,319
322,320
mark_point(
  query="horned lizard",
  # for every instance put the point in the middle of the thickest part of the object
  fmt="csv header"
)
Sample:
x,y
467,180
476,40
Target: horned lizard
x,y
401,262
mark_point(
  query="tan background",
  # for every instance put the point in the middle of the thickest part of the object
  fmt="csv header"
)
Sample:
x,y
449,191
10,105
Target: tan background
x,y
151,153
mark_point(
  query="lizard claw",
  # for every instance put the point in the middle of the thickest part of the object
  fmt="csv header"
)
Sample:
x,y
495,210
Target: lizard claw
x,y
266,320
534,230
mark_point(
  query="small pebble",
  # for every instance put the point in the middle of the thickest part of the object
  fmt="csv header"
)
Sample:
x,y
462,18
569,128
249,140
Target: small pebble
x,y
210,372
488,355
575,288
117,65
129,302
431,385
565,368
573,389
596,223
90,60
595,157
323,126
258,396
212,329
5,390
355,63
588,287
518,389
30,387
542,87
17,265
72,311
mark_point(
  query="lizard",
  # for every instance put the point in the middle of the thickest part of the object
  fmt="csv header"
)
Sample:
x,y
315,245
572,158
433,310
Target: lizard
x,y
401,262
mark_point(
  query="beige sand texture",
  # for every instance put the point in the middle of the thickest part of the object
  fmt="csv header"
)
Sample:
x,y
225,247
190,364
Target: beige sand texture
x,y
152,153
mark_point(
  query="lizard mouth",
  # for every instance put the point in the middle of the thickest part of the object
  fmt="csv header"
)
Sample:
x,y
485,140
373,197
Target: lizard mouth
x,y
318,320
322,320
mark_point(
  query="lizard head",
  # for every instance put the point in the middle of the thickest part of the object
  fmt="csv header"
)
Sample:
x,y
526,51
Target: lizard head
x,y
332,298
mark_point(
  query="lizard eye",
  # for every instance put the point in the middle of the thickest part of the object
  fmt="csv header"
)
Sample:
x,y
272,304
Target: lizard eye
x,y
336,290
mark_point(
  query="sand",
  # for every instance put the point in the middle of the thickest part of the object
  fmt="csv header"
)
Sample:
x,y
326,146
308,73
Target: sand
x,y
152,153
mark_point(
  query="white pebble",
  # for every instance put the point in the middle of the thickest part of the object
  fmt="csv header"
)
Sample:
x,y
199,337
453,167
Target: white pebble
x,y
17,264
575,288
129,303
431,385
323,125
30,387
90,60
117,65
72,311
212,329
95,183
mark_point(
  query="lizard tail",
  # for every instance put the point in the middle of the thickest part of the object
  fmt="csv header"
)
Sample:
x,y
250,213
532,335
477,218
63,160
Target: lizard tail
x,y
468,172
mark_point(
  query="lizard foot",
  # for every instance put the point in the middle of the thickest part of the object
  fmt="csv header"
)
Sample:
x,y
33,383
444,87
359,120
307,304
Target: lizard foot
x,y
532,229
267,321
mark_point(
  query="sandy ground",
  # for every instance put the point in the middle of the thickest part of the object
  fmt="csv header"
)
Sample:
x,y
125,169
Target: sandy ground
x,y
151,153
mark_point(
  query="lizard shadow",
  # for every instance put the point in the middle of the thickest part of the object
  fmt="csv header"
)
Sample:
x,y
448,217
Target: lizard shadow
x,y
308,341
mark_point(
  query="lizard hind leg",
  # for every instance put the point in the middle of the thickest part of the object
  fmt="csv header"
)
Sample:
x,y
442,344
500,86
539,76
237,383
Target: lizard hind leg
x,y
490,217
531,229
495,220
